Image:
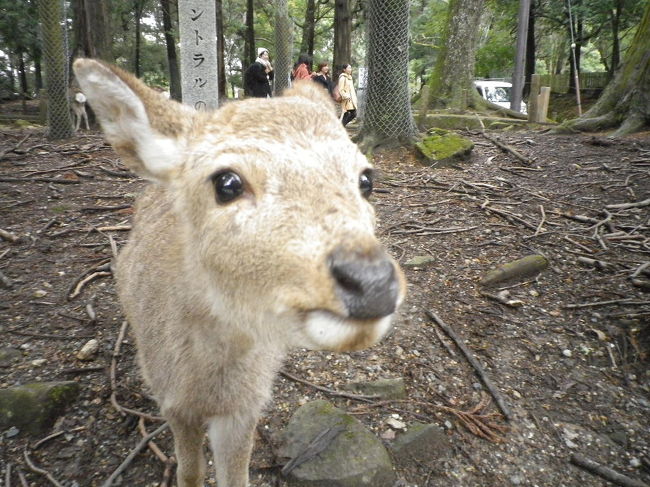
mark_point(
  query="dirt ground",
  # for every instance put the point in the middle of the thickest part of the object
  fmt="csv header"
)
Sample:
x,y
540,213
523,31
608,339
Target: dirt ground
x,y
567,350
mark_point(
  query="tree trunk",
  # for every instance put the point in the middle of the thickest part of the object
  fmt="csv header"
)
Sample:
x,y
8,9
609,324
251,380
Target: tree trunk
x,y
616,46
37,55
308,29
387,114
249,37
342,36
625,103
529,69
283,42
450,85
22,75
137,11
170,42
221,57
96,38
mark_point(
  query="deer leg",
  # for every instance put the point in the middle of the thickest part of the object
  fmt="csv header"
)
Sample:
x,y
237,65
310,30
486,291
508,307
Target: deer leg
x,y
85,117
188,445
231,438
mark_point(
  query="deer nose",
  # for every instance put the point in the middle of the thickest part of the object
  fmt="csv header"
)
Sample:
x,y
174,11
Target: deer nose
x,y
367,284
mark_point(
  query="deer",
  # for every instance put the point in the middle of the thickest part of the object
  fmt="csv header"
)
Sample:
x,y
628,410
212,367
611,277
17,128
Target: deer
x,y
78,107
254,236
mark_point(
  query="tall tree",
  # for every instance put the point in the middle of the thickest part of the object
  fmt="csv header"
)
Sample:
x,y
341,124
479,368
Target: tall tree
x,y
168,8
221,40
308,29
249,36
138,7
450,84
625,103
342,35
92,29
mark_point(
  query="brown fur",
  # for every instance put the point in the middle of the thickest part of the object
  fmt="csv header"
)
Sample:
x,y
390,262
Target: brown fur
x,y
216,293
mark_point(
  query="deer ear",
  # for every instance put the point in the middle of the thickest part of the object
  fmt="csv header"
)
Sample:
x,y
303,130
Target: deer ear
x,y
312,91
145,129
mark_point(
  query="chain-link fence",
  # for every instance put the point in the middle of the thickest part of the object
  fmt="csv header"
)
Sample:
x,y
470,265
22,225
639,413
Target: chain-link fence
x,y
283,43
55,56
387,104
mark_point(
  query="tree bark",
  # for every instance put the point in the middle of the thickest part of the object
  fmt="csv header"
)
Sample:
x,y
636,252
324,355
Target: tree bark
x,y
342,36
529,69
137,11
625,103
167,7
450,85
308,29
249,37
221,57
97,38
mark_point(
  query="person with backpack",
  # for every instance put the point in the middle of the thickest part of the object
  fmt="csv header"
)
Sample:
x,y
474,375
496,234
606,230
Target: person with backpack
x,y
322,77
348,95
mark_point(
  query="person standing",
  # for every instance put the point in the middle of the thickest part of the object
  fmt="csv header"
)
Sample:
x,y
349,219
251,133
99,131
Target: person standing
x,y
348,95
322,77
258,76
302,68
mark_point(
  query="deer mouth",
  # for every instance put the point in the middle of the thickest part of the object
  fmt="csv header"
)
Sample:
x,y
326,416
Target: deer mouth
x,y
330,331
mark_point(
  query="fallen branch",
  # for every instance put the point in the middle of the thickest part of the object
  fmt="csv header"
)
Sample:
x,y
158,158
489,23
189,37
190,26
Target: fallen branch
x,y
123,466
348,395
625,206
472,360
86,280
507,148
605,303
40,470
605,472
525,267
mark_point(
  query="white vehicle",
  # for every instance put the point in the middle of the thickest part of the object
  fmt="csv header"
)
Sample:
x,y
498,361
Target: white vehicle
x,y
497,92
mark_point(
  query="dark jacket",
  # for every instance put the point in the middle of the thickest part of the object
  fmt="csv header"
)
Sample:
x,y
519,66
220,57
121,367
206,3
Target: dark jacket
x,y
324,81
257,82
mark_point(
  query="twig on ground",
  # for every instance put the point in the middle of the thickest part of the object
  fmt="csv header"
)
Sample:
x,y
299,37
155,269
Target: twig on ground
x,y
348,395
127,461
86,280
625,206
541,223
605,303
472,360
113,380
605,472
42,441
507,148
152,446
40,470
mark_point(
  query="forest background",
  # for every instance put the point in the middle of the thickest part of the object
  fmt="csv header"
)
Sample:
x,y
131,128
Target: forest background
x,y
142,37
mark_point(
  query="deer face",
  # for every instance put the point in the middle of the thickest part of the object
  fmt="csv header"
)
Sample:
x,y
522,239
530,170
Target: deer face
x,y
272,200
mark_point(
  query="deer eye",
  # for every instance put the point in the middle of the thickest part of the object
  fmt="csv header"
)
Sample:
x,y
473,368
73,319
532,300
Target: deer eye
x,y
365,183
228,186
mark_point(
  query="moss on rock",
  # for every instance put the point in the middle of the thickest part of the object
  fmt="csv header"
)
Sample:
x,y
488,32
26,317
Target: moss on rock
x,y
34,407
442,148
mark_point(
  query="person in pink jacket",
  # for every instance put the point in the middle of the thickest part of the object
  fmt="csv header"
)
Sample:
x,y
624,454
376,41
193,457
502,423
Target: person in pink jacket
x,y
302,68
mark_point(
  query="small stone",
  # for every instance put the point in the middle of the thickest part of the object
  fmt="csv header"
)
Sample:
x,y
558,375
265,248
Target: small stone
x,y
396,424
566,353
39,362
448,425
88,350
419,261
39,293
635,462
477,386
516,480
517,394
389,434
11,432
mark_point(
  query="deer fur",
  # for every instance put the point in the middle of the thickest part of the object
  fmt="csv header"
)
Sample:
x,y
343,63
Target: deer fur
x,y
78,108
218,292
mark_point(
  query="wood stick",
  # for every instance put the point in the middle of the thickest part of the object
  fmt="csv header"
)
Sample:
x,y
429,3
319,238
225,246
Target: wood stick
x,y
10,237
123,466
472,360
42,471
605,472
625,206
